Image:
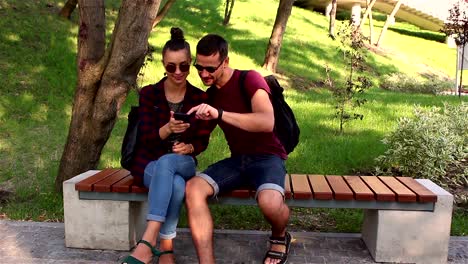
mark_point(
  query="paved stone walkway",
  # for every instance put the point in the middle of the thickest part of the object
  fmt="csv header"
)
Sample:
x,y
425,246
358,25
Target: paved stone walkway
x,y
34,242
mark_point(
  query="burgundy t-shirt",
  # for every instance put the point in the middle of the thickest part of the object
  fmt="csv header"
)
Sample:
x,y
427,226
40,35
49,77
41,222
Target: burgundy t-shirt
x,y
230,98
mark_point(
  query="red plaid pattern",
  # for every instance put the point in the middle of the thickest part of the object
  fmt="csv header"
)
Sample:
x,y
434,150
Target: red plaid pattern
x,y
154,113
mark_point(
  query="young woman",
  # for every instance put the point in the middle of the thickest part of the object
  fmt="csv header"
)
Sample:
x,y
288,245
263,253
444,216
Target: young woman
x,y
166,149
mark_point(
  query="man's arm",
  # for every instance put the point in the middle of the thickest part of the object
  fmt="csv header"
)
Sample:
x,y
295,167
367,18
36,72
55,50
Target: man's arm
x,y
261,119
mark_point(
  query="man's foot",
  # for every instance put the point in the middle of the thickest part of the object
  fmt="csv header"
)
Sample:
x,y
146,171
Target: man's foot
x,y
278,253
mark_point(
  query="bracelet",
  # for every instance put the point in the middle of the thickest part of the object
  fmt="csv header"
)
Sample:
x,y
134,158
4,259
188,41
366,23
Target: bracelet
x,y
192,149
220,114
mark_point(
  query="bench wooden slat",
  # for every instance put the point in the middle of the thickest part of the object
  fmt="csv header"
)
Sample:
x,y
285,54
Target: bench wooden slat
x,y
360,189
300,186
124,185
424,195
106,184
87,184
320,187
382,192
138,189
241,193
287,187
340,189
403,194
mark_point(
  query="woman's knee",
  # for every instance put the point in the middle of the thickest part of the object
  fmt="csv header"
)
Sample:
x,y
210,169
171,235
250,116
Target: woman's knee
x,y
166,160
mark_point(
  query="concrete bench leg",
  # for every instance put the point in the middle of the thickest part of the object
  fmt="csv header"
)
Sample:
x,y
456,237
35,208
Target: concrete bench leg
x,y
410,236
101,224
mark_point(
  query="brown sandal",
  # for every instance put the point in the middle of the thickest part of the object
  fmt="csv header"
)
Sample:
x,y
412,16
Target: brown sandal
x,y
283,256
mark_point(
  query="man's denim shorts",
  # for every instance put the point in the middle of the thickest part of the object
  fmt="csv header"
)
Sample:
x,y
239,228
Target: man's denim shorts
x,y
259,172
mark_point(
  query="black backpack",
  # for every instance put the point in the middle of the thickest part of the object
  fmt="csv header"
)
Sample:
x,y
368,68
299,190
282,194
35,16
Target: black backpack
x,y
127,152
286,128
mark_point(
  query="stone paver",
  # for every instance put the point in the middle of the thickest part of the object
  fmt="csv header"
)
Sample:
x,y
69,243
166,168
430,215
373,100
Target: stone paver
x,y
34,242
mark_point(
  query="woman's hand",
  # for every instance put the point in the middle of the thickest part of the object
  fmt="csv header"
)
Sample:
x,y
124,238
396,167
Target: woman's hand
x,y
182,148
177,126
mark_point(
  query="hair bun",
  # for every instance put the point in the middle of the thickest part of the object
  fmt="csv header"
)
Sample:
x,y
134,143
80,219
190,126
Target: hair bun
x,y
177,34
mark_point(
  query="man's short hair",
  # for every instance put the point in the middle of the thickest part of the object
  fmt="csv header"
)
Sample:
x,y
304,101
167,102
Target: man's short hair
x,y
212,44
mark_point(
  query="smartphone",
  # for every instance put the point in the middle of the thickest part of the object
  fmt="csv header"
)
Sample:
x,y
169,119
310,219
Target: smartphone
x,y
182,116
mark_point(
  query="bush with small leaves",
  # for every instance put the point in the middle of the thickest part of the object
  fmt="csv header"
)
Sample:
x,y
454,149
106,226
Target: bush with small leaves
x,y
432,145
403,83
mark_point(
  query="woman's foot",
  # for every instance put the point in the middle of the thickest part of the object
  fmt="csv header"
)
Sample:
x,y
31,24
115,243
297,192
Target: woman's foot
x,y
143,253
166,246
167,258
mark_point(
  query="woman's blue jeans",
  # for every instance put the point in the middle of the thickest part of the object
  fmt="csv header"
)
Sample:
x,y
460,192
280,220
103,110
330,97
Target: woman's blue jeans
x,y
165,178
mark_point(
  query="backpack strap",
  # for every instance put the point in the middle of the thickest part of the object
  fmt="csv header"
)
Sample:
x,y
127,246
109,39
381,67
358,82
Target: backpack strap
x,y
242,77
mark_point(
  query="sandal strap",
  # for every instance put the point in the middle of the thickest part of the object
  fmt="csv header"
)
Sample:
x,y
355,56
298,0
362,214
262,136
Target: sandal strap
x,y
278,240
275,254
166,252
153,250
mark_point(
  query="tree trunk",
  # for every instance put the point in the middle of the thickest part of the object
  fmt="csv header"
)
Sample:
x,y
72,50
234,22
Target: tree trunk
x,y
68,8
274,46
104,78
163,12
460,87
228,11
371,29
332,18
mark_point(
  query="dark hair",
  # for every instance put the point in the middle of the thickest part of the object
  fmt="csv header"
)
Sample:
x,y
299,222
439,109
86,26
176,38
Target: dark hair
x,y
211,44
177,42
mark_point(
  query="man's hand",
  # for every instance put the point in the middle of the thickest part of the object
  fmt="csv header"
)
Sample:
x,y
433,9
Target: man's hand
x,y
182,148
204,112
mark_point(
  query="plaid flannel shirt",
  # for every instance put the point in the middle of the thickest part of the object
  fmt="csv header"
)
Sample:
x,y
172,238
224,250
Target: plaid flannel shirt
x,y
154,112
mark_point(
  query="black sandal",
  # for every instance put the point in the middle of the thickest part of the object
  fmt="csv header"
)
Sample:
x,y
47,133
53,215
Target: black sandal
x,y
273,254
156,253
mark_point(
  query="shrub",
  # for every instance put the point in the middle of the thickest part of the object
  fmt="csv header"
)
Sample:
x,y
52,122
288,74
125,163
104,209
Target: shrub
x,y
432,145
403,83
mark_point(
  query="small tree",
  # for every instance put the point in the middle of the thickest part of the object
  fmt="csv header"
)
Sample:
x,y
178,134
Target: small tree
x,y
457,27
228,11
348,95
332,19
276,39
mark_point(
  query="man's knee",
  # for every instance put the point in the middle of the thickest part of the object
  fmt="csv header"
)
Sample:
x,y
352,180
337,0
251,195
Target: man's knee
x,y
270,200
197,188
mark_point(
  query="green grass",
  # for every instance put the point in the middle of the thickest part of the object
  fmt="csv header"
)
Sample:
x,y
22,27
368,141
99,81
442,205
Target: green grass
x,y
37,65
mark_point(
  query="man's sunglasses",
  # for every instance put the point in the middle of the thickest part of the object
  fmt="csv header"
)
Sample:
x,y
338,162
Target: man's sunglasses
x,y
209,69
183,67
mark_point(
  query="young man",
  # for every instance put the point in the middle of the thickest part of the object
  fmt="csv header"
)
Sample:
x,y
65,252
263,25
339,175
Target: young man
x,y
257,156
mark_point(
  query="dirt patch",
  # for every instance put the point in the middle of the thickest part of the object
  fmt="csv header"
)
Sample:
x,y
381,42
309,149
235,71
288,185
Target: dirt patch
x,y
5,196
6,191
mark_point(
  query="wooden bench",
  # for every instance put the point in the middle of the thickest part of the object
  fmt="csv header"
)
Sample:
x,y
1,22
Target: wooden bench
x,y
406,220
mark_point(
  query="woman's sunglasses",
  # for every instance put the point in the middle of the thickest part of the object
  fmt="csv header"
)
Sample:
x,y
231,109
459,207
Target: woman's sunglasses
x,y
183,67
209,69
